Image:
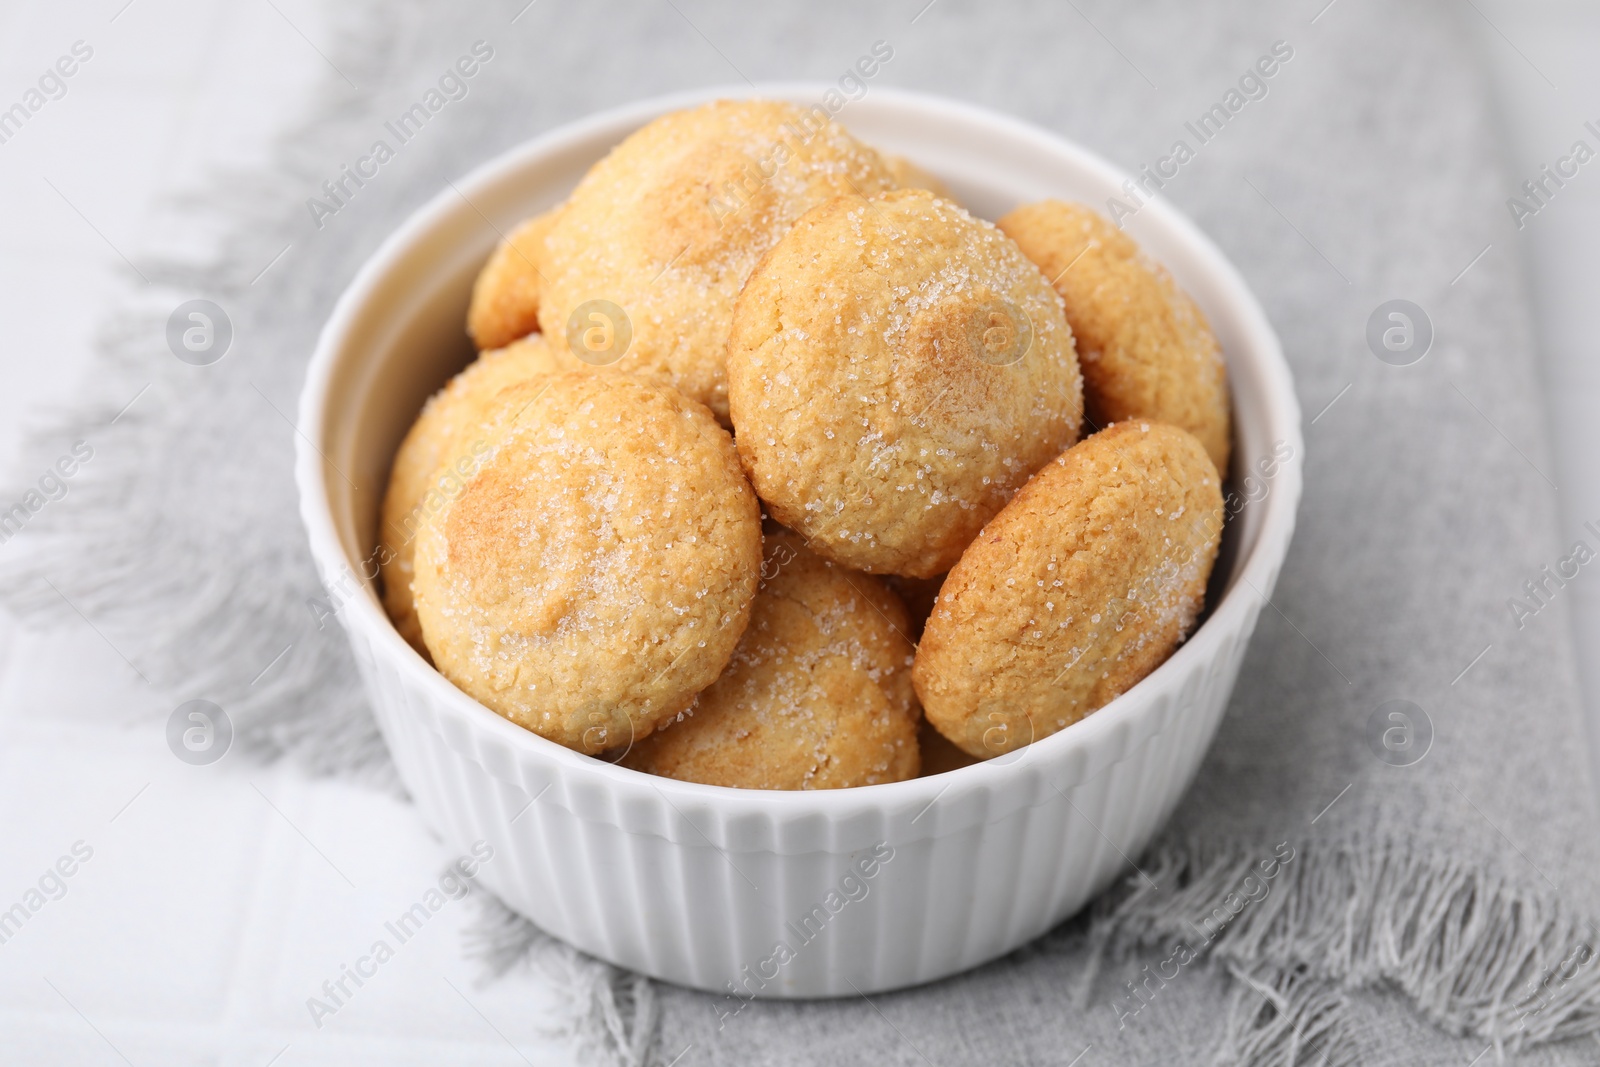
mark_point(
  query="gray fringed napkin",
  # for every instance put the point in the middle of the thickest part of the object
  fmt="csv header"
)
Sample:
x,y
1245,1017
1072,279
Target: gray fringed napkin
x,y
1390,853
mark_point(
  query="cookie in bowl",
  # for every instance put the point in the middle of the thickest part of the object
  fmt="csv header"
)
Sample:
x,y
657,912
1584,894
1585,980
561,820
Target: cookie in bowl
x,y
599,568
1145,347
591,846
505,297
897,369
660,235
1083,584
442,449
817,696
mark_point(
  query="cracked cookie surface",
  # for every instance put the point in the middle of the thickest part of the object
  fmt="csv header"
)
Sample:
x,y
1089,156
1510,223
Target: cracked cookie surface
x,y
671,223
897,369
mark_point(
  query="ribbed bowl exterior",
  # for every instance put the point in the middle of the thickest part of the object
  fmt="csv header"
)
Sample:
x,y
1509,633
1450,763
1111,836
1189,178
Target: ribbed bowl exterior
x,y
705,898
780,894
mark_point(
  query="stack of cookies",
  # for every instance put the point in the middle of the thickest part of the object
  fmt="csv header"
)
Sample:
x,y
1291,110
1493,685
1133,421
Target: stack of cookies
x,y
773,450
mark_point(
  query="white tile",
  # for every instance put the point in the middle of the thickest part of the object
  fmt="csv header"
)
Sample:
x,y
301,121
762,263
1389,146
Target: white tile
x,y
149,925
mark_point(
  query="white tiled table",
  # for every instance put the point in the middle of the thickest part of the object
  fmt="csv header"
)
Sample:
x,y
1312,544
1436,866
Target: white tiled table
x,y
218,899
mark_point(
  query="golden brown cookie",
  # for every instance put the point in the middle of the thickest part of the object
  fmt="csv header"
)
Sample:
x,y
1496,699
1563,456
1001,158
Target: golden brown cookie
x,y
598,569
505,298
1146,349
440,452
818,695
897,369
655,243
1083,585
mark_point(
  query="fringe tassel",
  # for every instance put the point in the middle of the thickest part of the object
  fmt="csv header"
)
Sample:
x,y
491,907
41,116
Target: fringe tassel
x,y
613,1013
1477,955
1284,1019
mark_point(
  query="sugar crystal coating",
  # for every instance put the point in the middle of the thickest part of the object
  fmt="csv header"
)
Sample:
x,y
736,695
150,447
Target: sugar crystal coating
x,y
897,370
442,449
817,696
506,295
1146,348
1080,587
598,570
671,223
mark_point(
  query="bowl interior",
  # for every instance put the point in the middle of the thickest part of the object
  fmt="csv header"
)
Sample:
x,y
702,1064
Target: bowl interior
x,y
398,334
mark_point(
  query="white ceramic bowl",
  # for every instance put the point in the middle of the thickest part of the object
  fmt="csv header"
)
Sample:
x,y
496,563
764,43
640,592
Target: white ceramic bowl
x,y
866,889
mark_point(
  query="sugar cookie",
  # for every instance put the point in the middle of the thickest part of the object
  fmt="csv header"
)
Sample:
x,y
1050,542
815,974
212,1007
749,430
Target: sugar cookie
x,y
897,369
1083,585
442,450
505,298
659,237
598,569
1146,349
818,695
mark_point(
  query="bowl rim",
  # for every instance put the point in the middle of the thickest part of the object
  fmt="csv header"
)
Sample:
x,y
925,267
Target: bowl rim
x,y
1257,570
